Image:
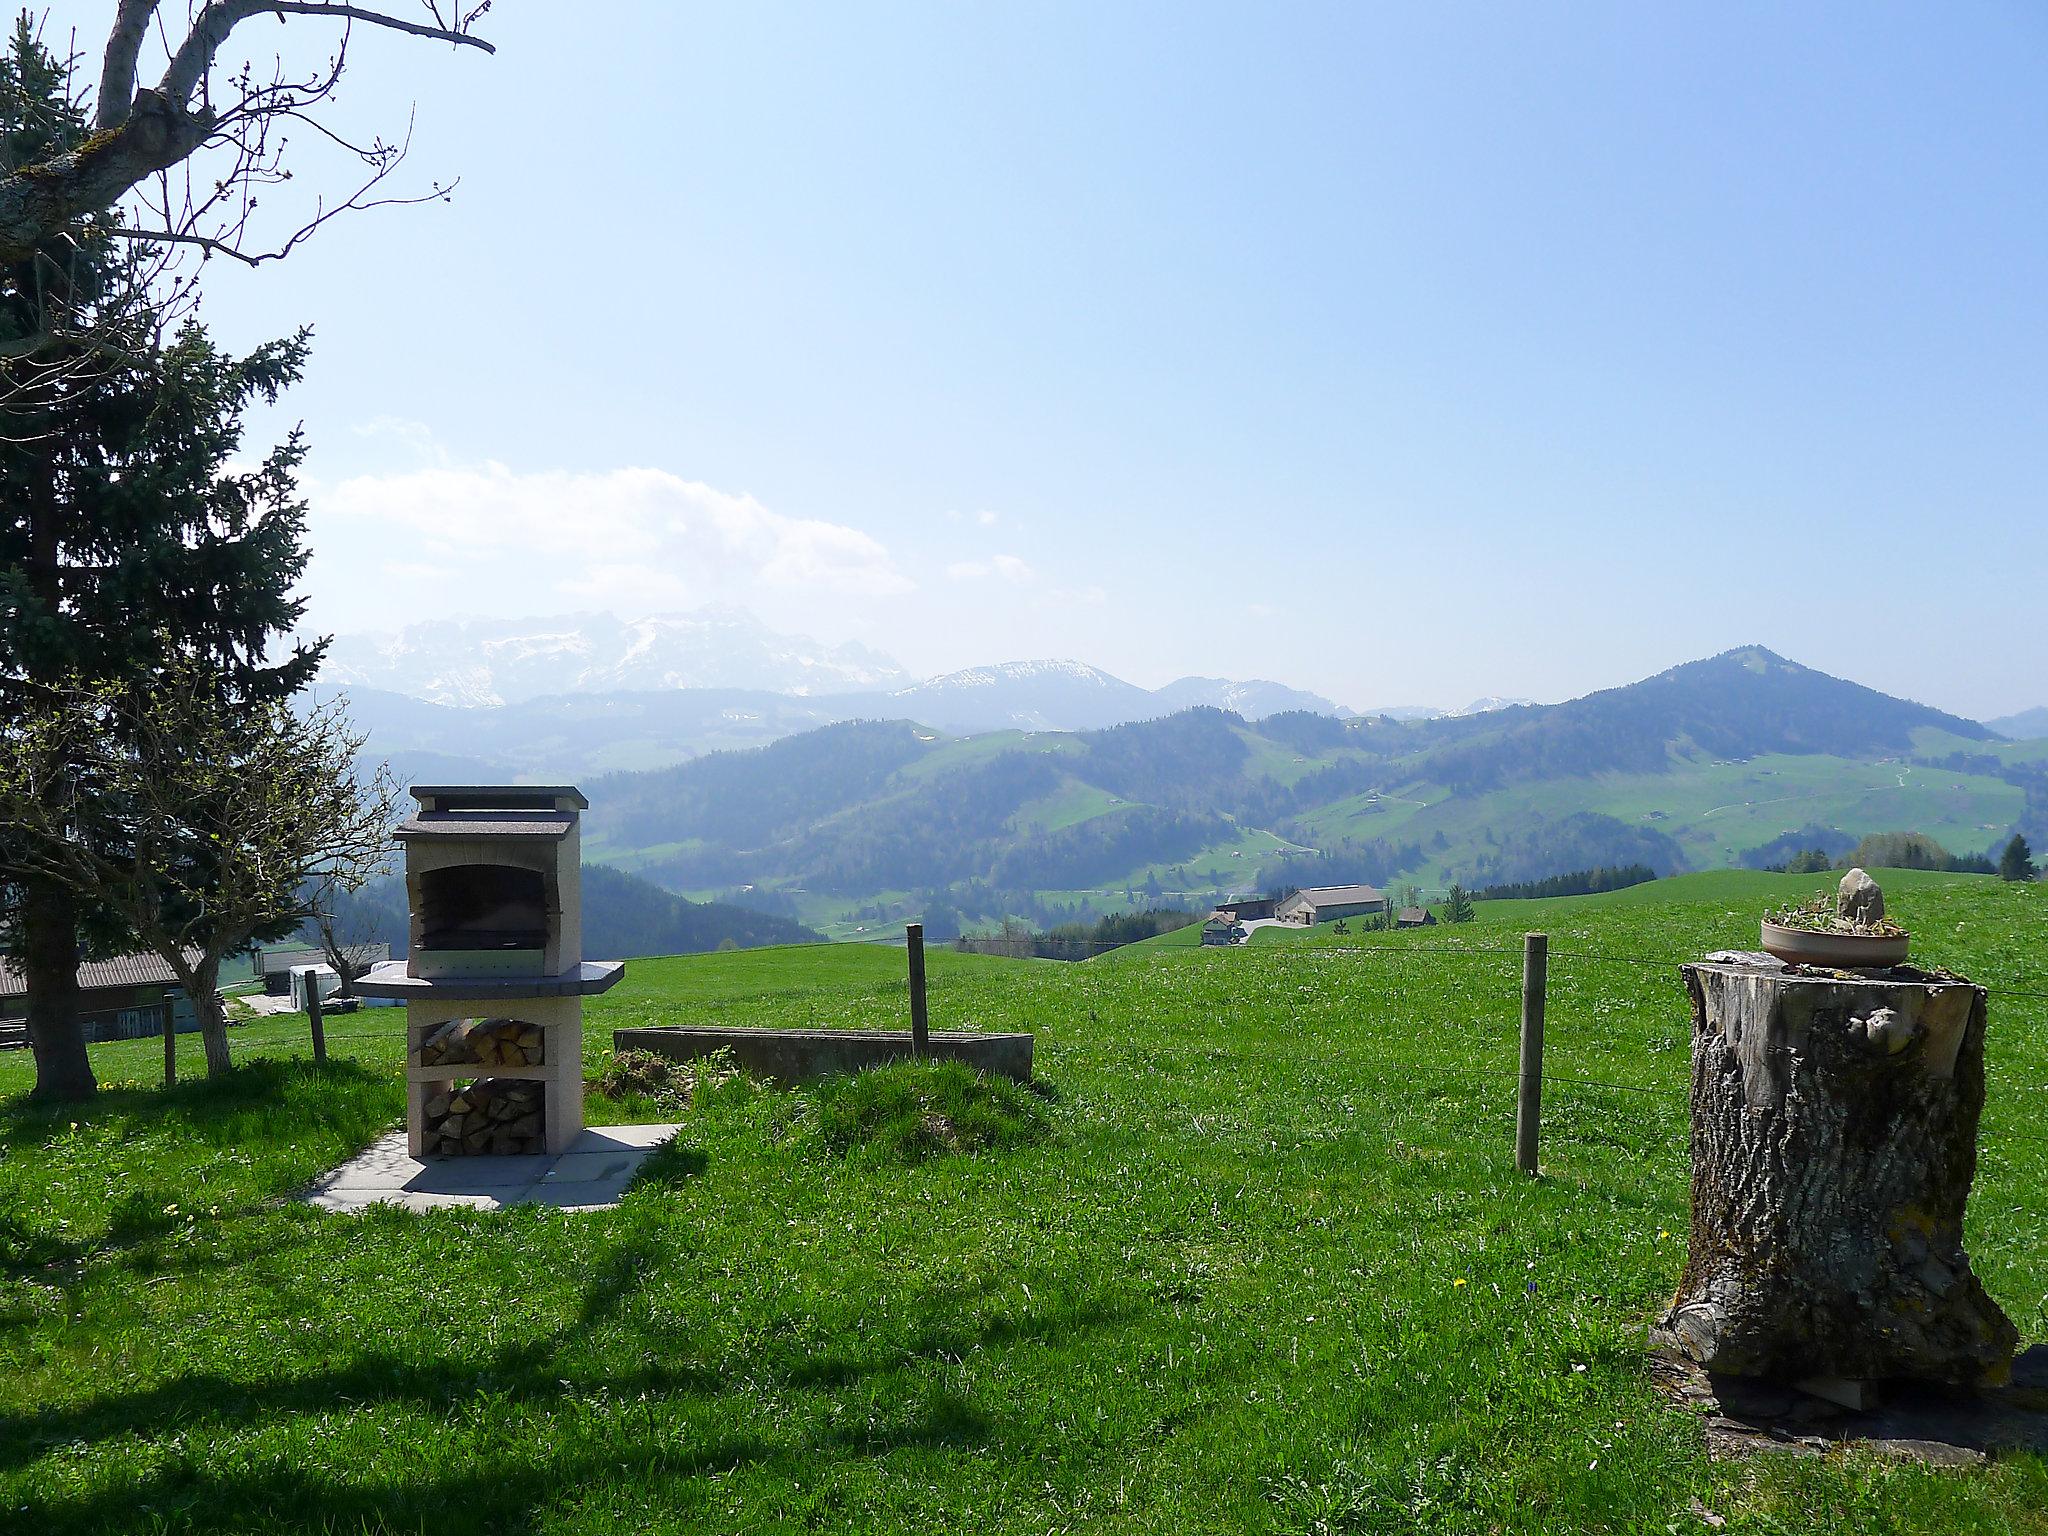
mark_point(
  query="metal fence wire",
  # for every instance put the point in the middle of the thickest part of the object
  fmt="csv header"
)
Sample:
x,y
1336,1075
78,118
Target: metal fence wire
x,y
1563,976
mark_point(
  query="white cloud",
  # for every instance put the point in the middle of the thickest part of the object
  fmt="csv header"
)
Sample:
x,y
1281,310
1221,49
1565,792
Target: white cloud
x,y
630,537
1003,567
415,435
986,519
628,588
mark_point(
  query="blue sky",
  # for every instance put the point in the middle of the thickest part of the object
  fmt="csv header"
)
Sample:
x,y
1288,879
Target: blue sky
x,y
1406,354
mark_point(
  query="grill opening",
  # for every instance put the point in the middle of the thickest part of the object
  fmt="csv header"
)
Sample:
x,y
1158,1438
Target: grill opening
x,y
483,906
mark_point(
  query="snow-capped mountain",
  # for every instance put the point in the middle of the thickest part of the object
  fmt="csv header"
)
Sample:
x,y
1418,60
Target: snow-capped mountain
x,y
1255,699
480,662
1488,705
1026,695
668,687
1485,706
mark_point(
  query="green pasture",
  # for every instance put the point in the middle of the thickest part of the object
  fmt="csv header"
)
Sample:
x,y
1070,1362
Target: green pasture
x,y
1268,1269
1715,811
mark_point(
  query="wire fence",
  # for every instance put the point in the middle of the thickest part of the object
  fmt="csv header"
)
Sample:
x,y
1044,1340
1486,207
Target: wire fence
x,y
1567,981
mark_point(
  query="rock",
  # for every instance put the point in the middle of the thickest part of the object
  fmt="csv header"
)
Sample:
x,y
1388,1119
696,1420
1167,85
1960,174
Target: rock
x,y
1887,1033
1860,899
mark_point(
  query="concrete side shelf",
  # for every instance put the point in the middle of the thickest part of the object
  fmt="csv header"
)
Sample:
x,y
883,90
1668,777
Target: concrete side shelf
x,y
587,980
803,1055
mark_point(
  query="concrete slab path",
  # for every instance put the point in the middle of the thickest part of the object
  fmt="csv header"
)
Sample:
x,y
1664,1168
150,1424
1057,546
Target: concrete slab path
x,y
590,1176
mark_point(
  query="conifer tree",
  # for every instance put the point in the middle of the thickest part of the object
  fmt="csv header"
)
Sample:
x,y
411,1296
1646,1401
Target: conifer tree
x,y
126,541
2017,862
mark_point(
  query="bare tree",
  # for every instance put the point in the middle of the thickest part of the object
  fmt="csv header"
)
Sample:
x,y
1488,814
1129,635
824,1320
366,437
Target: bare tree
x,y
209,822
192,154
344,933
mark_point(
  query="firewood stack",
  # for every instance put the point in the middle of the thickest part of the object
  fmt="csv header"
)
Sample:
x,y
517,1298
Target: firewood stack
x,y
488,1042
493,1115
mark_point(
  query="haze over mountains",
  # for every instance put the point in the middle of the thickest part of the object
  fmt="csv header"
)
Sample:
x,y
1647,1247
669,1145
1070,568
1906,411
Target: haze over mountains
x,y
482,662
567,696
2027,725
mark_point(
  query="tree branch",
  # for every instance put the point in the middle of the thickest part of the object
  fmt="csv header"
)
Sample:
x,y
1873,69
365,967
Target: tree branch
x,y
192,60
140,132
117,72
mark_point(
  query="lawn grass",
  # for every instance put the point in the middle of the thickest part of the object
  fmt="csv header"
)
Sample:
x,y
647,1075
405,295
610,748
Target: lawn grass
x,y
1268,1267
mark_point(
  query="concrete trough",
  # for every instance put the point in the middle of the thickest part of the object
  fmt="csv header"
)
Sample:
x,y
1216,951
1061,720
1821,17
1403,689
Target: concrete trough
x,y
804,1055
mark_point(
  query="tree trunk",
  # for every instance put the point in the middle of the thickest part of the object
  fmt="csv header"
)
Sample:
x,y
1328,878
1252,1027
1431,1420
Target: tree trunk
x,y
1834,1139
49,923
213,1020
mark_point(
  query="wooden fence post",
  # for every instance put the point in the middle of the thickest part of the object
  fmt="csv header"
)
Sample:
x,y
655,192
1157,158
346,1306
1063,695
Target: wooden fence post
x,y
1529,1093
313,1017
920,1029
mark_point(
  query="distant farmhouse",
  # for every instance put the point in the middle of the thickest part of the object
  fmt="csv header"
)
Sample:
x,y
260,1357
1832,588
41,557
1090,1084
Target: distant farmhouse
x,y
1328,903
1415,917
1222,928
120,999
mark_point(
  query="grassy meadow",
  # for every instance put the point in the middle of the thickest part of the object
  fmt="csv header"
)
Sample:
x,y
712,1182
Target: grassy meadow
x,y
1266,1268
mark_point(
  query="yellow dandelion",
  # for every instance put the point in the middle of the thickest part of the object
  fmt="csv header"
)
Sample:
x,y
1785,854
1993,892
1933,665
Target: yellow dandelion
x,y
1457,1282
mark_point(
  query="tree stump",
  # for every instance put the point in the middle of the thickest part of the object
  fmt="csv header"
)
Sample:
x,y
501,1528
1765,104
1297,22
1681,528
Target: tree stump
x,y
1834,1138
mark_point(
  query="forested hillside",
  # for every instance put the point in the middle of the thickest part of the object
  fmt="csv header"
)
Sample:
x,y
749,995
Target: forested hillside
x,y
1727,761
623,916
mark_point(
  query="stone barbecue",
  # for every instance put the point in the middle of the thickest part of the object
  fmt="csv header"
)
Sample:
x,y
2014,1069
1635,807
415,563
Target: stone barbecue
x,y
494,980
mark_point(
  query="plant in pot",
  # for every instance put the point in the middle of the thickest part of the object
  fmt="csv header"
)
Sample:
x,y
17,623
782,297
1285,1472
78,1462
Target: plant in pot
x,y
1846,931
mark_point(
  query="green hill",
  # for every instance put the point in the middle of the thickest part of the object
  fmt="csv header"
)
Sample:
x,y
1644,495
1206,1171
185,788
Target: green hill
x,y
1717,763
623,916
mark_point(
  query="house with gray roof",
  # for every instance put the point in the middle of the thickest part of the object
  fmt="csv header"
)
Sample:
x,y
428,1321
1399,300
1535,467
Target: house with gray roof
x,y
124,998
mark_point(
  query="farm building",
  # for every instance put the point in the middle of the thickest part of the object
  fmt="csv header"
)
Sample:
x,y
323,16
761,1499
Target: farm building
x,y
274,967
1249,907
1221,928
1327,903
1415,917
119,999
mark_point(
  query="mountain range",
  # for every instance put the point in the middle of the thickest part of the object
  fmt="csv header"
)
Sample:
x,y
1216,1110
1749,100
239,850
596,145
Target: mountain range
x,y
2027,725
561,698
483,662
1741,758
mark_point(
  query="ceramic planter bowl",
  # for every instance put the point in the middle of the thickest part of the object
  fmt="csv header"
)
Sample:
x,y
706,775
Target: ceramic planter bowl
x,y
1835,951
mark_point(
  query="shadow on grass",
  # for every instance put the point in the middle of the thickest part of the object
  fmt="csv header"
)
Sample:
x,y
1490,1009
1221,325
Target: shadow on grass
x,y
256,1109
217,1108
672,1164
183,1493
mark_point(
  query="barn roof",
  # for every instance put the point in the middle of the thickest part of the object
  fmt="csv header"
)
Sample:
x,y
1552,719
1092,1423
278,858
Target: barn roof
x,y
1341,895
146,970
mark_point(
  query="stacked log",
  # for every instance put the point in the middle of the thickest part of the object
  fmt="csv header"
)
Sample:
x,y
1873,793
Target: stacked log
x,y
493,1115
487,1042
